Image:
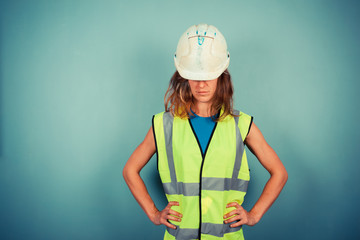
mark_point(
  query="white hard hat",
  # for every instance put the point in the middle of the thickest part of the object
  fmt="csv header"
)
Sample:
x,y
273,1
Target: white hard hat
x,y
201,53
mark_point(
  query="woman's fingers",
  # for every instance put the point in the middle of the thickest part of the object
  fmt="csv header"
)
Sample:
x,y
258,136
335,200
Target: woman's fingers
x,y
239,214
239,209
170,217
168,224
239,223
175,213
169,214
229,214
235,218
172,203
233,204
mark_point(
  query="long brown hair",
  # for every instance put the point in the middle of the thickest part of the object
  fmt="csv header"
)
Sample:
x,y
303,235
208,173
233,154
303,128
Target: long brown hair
x,y
178,97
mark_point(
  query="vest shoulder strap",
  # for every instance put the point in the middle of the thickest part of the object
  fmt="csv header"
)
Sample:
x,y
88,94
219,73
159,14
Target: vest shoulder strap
x,y
244,122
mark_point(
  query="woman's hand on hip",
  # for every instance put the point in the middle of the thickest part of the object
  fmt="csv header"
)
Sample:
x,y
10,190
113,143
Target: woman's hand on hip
x,y
244,217
162,217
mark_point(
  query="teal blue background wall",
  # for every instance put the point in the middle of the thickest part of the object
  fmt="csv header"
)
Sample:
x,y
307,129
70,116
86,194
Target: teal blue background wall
x,y
80,81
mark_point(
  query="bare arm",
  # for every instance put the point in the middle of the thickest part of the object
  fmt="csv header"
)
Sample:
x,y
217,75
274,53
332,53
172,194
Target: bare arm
x,y
131,172
271,162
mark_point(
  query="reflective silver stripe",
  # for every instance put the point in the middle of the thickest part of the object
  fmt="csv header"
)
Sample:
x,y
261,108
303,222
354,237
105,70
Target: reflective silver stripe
x,y
236,112
184,233
239,148
224,184
186,189
218,230
213,229
168,127
208,183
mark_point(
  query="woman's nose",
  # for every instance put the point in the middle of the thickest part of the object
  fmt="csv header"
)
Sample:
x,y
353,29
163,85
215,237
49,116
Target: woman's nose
x,y
202,83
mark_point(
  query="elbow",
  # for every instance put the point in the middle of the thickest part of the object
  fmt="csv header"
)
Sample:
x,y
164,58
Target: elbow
x,y
129,174
125,173
284,176
281,175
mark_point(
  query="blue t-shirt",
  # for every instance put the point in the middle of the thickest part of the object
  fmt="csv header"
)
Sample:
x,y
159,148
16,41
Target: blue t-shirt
x,y
203,127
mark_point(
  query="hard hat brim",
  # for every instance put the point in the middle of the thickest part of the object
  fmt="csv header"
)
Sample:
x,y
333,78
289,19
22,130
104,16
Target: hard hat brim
x,y
201,76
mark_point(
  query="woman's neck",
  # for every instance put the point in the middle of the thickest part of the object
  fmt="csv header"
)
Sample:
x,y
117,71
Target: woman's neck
x,y
202,109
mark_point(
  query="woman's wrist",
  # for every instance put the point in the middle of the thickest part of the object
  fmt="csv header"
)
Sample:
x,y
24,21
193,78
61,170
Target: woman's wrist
x,y
255,216
152,214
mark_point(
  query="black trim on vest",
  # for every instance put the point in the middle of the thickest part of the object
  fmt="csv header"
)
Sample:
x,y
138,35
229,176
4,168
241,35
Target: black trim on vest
x,y
249,127
251,121
212,133
202,164
197,139
157,155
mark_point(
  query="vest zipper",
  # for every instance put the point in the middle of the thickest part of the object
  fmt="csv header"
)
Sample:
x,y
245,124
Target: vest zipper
x,y
202,164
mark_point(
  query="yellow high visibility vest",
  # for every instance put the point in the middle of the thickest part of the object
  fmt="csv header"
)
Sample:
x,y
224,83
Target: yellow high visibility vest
x,y
203,184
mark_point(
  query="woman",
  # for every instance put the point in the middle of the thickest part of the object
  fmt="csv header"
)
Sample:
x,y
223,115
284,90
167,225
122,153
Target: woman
x,y
199,141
